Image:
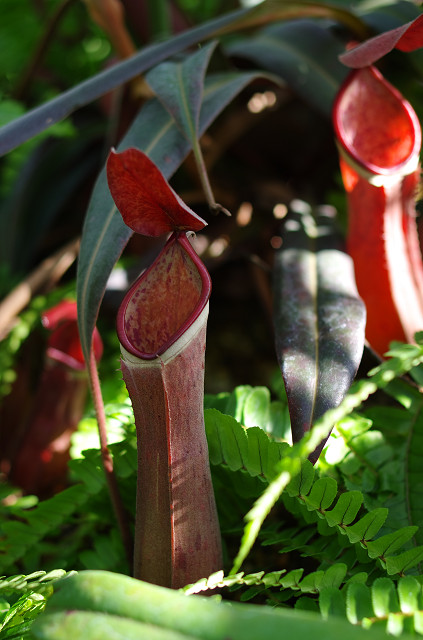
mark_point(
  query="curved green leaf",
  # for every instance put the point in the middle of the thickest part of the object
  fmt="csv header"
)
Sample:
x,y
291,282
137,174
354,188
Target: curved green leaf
x,y
319,320
409,593
104,234
301,52
359,602
40,118
384,597
257,408
95,625
118,595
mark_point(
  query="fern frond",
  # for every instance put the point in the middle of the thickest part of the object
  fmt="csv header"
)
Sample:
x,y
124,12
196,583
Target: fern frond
x,y
313,582
18,536
396,607
238,448
403,359
22,598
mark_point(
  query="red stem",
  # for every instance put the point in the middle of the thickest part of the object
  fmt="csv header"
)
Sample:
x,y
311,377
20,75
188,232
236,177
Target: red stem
x,y
120,513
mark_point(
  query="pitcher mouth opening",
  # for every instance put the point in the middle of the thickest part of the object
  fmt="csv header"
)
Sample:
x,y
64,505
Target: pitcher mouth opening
x,y
164,301
375,126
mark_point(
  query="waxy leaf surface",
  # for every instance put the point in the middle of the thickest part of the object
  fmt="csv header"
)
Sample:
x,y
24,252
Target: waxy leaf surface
x,y
146,201
319,320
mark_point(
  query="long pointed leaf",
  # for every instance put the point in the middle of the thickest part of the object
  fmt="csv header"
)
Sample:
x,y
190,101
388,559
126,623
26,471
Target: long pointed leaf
x,y
179,87
319,320
42,117
105,235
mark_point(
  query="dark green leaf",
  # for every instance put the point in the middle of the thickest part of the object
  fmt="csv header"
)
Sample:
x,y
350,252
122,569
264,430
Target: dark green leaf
x,y
40,118
404,561
322,494
301,484
346,508
226,439
319,320
334,576
368,526
331,603
303,53
179,87
390,542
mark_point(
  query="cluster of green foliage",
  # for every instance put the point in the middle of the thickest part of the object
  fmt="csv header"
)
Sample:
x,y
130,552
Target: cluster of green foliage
x,y
327,546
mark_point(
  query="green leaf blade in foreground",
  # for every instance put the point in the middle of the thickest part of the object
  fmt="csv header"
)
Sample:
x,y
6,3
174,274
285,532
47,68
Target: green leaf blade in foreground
x,y
94,625
129,599
319,320
105,235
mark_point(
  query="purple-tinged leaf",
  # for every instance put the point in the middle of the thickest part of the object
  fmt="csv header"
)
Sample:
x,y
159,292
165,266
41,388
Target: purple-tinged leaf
x,y
319,320
408,37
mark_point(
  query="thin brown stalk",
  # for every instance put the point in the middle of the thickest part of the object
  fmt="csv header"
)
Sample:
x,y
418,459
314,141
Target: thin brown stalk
x,y
47,274
119,509
36,58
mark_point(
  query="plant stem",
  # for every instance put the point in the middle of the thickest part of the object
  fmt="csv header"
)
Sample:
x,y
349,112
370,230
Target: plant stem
x,y
204,178
119,509
36,58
